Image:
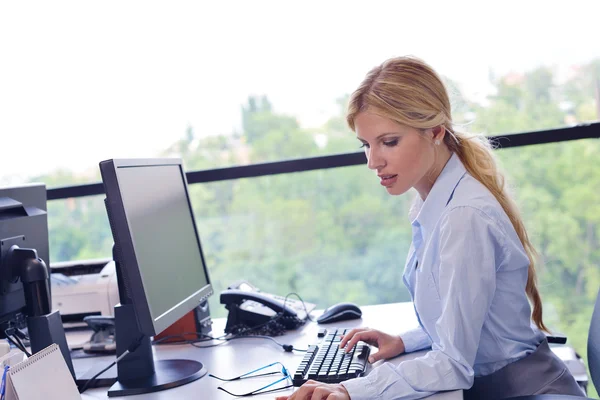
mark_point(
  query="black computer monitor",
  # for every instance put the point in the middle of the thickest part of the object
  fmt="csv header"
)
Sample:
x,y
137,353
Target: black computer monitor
x,y
24,276
23,222
160,267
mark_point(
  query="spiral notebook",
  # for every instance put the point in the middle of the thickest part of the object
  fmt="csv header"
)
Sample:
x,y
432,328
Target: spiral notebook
x,y
43,376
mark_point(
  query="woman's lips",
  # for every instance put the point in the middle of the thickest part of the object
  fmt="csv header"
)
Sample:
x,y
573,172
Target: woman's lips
x,y
388,180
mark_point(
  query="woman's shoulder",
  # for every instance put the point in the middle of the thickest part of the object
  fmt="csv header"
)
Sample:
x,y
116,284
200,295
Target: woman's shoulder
x,y
472,194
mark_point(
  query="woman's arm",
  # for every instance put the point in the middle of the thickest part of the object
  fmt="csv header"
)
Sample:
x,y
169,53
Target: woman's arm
x,y
469,244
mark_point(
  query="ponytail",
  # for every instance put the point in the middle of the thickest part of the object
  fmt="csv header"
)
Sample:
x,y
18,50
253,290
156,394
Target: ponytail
x,y
477,156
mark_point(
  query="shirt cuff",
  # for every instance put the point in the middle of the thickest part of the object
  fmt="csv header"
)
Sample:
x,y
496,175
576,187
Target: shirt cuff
x,y
415,340
360,389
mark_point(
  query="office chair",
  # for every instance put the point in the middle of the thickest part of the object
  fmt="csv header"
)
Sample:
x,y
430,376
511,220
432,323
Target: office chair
x,y
593,355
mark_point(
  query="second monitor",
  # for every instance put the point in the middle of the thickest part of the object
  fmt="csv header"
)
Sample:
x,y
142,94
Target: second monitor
x,y
160,267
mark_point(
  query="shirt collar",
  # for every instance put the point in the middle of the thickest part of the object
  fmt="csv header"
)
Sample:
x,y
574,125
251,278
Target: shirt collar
x,y
427,213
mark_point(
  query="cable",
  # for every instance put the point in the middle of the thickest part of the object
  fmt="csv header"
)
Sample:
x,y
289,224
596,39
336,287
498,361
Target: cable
x,y
21,334
133,347
9,332
88,383
22,345
255,328
187,341
207,346
286,347
193,342
303,305
18,346
224,339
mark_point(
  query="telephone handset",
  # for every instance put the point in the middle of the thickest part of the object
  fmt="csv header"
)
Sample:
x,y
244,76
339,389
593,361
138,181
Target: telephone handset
x,y
272,306
250,308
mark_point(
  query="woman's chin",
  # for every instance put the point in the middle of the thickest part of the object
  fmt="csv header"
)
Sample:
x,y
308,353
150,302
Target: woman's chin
x,y
396,190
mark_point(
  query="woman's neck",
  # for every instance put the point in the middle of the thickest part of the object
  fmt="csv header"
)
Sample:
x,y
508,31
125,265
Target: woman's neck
x,y
426,183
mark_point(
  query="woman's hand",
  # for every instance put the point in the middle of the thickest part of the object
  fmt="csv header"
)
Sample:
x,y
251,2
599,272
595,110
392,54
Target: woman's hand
x,y
389,346
313,390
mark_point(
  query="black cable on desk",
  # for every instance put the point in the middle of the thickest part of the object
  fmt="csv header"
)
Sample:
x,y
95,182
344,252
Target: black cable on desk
x,y
286,347
133,347
207,338
303,304
224,339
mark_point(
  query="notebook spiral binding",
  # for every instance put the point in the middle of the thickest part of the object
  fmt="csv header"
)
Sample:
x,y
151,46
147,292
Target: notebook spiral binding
x,y
34,358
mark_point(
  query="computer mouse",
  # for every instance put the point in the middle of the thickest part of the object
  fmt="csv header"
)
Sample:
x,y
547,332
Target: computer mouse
x,y
340,312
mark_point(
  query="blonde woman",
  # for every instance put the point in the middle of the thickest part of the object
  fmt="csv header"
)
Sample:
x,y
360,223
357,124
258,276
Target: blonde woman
x,y
471,266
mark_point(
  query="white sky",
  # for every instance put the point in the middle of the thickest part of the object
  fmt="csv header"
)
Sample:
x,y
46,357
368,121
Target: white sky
x,y
84,81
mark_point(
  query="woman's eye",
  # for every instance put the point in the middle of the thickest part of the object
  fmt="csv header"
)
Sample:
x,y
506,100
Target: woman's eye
x,y
391,143
364,145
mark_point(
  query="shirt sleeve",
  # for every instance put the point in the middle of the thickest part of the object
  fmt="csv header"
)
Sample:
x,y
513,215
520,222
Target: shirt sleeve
x,y
415,340
468,246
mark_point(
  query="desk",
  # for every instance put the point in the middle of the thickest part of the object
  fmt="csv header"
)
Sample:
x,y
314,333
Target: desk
x,y
243,355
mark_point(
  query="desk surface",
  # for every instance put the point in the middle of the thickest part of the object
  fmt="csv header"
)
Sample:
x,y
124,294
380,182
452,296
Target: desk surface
x,y
239,356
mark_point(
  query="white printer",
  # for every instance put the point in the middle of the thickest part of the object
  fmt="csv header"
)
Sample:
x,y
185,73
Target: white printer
x,y
82,288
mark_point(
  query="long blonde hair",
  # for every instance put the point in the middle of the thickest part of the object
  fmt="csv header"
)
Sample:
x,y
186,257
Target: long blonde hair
x,y
409,92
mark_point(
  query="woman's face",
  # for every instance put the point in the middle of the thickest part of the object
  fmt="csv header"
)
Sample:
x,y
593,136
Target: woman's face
x,y
401,156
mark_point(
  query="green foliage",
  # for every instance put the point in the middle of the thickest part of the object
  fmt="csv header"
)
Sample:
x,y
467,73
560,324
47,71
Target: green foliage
x,y
334,235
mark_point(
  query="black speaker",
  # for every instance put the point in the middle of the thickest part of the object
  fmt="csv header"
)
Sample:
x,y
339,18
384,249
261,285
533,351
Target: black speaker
x,y
202,317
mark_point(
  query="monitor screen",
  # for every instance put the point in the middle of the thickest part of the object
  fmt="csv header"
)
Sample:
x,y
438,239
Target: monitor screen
x,y
163,234
153,225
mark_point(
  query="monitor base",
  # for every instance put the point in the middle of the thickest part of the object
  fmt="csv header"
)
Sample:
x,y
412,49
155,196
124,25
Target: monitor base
x,y
167,374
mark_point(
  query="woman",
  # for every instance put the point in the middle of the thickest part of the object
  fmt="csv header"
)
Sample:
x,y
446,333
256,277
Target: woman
x,y
471,267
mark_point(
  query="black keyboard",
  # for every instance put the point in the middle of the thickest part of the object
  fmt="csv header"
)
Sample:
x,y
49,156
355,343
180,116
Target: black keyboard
x,y
326,362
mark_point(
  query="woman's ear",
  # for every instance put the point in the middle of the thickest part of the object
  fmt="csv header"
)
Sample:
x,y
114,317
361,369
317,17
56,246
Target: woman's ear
x,y
439,132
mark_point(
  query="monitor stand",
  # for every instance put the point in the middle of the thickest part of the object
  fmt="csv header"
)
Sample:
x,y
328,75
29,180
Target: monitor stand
x,y
138,372
43,325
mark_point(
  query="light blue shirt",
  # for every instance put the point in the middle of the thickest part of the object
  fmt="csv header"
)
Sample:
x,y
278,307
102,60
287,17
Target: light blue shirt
x,y
466,272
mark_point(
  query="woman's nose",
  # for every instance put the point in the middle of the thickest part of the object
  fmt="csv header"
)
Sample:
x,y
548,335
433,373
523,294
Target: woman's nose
x,y
374,161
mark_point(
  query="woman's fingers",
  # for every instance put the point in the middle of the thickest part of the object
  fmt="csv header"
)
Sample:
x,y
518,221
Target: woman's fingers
x,y
364,336
374,357
320,393
303,393
313,390
350,335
